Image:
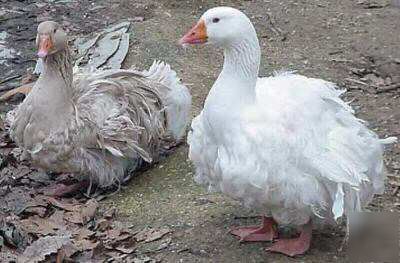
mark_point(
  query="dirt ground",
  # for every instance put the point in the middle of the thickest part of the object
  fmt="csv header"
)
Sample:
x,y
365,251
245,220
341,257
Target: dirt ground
x,y
323,39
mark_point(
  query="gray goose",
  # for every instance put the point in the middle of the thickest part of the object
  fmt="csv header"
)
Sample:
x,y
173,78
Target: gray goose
x,y
96,124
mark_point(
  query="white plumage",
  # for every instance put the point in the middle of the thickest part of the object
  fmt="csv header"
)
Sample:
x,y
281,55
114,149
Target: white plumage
x,y
294,153
287,145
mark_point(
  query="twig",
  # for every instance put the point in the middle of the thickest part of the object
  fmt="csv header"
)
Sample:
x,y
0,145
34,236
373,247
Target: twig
x,y
389,88
183,250
359,82
9,78
396,190
340,60
7,88
335,52
369,86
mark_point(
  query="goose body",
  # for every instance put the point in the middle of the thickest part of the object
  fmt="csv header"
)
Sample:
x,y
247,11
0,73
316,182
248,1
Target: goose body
x,y
297,152
287,145
97,124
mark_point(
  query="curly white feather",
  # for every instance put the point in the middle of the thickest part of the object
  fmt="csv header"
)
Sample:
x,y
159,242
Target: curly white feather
x,y
177,97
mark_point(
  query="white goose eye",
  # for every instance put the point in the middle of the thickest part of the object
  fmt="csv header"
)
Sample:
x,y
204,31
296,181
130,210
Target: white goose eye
x,y
216,20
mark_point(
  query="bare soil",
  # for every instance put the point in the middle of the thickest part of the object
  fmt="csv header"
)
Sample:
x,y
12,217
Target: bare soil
x,y
334,40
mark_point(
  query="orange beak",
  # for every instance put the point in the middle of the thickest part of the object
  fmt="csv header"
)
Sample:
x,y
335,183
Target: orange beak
x,y
197,35
45,45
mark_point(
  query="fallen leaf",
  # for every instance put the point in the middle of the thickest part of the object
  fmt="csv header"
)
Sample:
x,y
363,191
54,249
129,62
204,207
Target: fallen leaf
x,y
40,177
13,233
82,214
89,210
143,259
59,204
36,210
28,78
74,217
113,233
19,199
153,247
103,225
109,214
69,249
83,233
58,217
85,244
25,89
149,235
123,237
125,250
92,256
43,247
116,256
107,49
40,226
137,19
85,256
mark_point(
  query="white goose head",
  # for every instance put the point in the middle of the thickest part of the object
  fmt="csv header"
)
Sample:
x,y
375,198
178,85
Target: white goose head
x,y
222,26
233,31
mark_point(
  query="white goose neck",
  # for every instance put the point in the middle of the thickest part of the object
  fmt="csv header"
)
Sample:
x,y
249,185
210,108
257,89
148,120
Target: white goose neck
x,y
242,60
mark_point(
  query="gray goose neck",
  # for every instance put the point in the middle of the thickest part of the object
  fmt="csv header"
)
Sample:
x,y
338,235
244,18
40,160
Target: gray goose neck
x,y
58,66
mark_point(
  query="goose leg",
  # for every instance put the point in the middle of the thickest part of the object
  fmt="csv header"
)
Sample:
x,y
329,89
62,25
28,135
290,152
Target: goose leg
x,y
265,232
294,246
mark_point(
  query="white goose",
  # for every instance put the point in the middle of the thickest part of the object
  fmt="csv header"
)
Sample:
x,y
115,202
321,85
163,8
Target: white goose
x,y
286,145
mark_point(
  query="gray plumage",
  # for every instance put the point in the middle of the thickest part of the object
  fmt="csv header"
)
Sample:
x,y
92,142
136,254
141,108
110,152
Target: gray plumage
x,y
99,123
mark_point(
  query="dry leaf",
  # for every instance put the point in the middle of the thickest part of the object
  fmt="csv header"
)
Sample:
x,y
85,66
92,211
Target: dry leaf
x,y
69,249
43,247
81,214
85,244
123,236
109,214
103,225
117,256
149,235
25,89
59,204
83,233
36,210
74,217
107,49
58,217
113,233
40,226
125,250
28,78
143,259
89,210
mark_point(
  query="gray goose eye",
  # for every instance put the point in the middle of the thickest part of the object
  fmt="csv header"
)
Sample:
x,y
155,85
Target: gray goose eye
x,y
216,20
